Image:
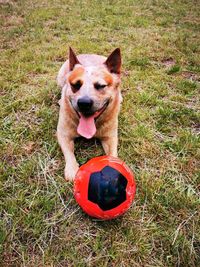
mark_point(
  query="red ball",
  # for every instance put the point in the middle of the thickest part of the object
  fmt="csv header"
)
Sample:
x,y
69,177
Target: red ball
x,y
104,187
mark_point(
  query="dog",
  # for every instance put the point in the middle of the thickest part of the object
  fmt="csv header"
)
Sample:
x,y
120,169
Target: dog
x,y
89,104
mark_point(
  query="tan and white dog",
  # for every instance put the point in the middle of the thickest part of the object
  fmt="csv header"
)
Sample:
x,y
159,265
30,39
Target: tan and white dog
x,y
89,104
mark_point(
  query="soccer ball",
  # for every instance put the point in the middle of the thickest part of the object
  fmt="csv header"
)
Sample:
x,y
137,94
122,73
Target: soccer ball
x,y
104,187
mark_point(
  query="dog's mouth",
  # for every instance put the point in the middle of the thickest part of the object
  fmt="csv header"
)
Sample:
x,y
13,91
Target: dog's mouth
x,y
86,126
95,114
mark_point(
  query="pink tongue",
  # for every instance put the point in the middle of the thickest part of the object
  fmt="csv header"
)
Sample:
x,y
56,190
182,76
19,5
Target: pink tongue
x,y
86,127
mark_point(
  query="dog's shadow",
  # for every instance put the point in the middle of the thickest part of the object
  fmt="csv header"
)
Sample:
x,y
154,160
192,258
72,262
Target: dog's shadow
x,y
87,149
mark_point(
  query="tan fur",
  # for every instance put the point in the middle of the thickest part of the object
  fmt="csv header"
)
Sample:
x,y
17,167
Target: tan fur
x,y
76,74
91,70
108,78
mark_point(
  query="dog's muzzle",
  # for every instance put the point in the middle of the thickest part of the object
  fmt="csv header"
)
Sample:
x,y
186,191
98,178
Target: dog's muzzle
x,y
85,105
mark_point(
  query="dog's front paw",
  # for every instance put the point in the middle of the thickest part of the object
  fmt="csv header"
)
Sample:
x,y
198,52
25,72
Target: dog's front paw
x,y
70,171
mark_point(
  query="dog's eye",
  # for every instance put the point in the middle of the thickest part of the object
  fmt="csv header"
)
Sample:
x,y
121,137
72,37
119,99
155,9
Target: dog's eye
x,y
99,86
76,86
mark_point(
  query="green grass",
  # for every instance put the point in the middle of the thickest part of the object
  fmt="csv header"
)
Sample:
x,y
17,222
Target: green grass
x,y
159,133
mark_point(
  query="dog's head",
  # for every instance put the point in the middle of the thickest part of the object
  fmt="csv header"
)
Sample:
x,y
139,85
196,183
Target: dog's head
x,y
92,87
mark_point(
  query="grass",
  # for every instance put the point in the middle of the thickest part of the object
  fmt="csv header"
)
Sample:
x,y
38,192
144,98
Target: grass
x,y
159,133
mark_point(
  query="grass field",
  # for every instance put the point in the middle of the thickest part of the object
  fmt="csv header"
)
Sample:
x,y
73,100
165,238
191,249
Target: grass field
x,y
159,133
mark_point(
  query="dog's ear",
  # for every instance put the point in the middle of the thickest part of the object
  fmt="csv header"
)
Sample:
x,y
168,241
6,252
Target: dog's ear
x,y
113,62
73,60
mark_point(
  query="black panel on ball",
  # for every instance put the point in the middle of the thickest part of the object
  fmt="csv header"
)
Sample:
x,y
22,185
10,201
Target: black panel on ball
x,y
107,188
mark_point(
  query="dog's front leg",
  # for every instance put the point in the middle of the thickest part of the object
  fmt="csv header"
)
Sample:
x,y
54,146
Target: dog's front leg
x,y
110,143
67,146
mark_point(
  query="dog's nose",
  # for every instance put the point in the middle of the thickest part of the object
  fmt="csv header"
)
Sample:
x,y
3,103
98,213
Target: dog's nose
x,y
85,104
